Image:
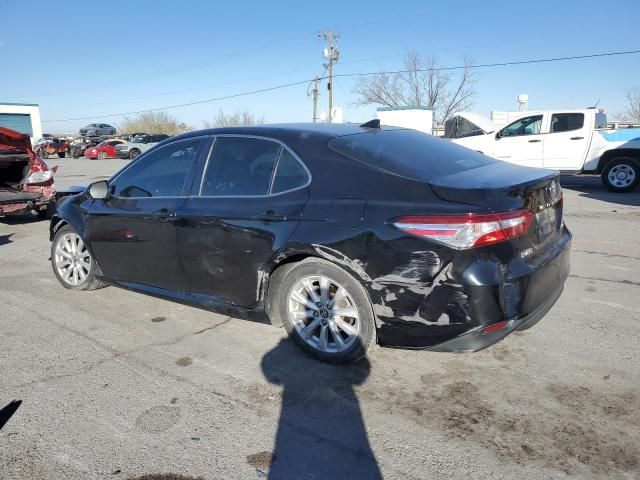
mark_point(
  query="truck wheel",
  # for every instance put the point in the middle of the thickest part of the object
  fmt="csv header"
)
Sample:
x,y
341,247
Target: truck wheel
x,y
621,174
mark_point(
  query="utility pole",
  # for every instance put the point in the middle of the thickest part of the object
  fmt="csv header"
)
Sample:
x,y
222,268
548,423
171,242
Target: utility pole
x,y
332,54
315,99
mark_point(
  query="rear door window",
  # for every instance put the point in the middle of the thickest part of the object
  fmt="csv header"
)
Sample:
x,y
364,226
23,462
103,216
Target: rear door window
x,y
240,166
409,153
290,174
565,122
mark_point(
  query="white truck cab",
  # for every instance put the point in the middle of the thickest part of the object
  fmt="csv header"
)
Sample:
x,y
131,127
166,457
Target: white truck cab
x,y
572,141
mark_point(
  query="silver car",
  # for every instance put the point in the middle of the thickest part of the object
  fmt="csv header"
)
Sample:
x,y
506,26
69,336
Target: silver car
x,y
138,144
95,129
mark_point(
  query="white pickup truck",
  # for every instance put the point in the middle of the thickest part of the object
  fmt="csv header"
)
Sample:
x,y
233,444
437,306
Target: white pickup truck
x,y
572,141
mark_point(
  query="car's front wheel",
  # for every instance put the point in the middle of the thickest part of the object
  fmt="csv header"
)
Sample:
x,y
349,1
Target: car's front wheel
x,y
102,155
72,262
325,311
134,153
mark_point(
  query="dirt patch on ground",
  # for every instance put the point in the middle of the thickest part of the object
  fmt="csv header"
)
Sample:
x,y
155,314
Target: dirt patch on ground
x,y
158,419
184,361
261,461
164,476
565,427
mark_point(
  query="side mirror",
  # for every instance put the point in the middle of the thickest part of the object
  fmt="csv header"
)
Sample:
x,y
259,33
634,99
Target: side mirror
x,y
99,190
499,134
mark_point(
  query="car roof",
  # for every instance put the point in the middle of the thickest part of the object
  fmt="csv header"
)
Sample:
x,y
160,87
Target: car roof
x,y
276,130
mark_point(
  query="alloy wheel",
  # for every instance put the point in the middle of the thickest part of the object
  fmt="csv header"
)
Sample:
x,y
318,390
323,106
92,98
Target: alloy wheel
x,y
622,175
72,259
324,314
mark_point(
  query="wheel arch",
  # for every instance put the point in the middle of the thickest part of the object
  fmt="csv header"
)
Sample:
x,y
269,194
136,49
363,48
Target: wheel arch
x,y
288,258
610,155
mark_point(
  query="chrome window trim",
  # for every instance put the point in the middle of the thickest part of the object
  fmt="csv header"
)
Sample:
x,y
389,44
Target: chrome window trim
x,y
275,169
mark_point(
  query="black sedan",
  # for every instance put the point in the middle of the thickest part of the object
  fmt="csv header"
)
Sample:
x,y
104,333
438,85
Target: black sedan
x,y
345,234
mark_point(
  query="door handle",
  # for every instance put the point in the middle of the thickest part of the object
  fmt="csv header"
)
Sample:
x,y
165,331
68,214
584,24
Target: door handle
x,y
164,214
577,138
269,215
534,141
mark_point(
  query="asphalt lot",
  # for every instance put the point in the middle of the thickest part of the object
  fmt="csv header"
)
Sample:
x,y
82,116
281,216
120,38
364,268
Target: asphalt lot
x,y
116,384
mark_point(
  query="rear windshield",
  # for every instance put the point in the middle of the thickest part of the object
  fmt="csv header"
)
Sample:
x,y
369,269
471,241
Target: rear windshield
x,y
409,153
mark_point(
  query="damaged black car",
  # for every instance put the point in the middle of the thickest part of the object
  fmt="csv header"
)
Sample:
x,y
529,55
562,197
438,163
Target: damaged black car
x,y
344,234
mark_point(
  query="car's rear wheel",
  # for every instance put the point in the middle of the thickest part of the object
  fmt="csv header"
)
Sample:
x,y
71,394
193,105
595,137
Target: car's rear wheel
x,y
134,153
102,155
325,311
621,174
72,262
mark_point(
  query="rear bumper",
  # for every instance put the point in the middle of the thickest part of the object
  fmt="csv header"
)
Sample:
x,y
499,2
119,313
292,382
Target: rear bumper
x,y
492,289
477,339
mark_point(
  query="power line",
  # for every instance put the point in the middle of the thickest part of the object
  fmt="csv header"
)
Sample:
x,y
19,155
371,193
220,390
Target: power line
x,y
344,75
168,107
500,64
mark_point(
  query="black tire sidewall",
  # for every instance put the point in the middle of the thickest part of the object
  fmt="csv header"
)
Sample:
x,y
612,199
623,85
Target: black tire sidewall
x,y
134,154
87,284
635,164
355,289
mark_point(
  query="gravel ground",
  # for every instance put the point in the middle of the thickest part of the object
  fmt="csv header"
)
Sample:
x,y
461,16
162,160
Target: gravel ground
x,y
115,384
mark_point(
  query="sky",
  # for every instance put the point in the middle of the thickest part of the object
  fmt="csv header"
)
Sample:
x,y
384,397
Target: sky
x,y
103,58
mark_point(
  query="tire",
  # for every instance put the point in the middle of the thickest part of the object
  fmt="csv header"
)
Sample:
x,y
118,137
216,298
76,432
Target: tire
x,y
62,154
102,155
65,241
134,153
315,328
43,155
622,174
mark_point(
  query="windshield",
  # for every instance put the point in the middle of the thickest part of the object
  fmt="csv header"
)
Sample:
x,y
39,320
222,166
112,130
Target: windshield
x,y
409,153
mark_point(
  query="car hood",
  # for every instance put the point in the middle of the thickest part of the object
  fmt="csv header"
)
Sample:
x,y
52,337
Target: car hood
x,y
12,140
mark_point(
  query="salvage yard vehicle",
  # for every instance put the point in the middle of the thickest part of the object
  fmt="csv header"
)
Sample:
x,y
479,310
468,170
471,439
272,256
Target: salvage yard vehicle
x,y
572,141
96,129
138,144
55,146
26,183
103,150
457,250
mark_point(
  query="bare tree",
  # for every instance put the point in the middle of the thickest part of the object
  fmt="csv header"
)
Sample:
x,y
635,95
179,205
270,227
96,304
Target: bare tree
x,y
421,83
155,123
632,113
239,117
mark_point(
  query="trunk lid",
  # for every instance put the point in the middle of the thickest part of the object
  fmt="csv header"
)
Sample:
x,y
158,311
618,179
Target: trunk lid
x,y
503,187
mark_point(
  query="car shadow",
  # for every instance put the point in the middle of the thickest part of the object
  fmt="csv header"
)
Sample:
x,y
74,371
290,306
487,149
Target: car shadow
x,y
21,218
590,186
321,433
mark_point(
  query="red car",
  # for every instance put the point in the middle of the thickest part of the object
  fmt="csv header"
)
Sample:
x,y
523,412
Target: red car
x,y
106,149
26,183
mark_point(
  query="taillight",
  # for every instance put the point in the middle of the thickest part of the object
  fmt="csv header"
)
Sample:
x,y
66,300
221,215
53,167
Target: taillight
x,y
470,230
40,173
